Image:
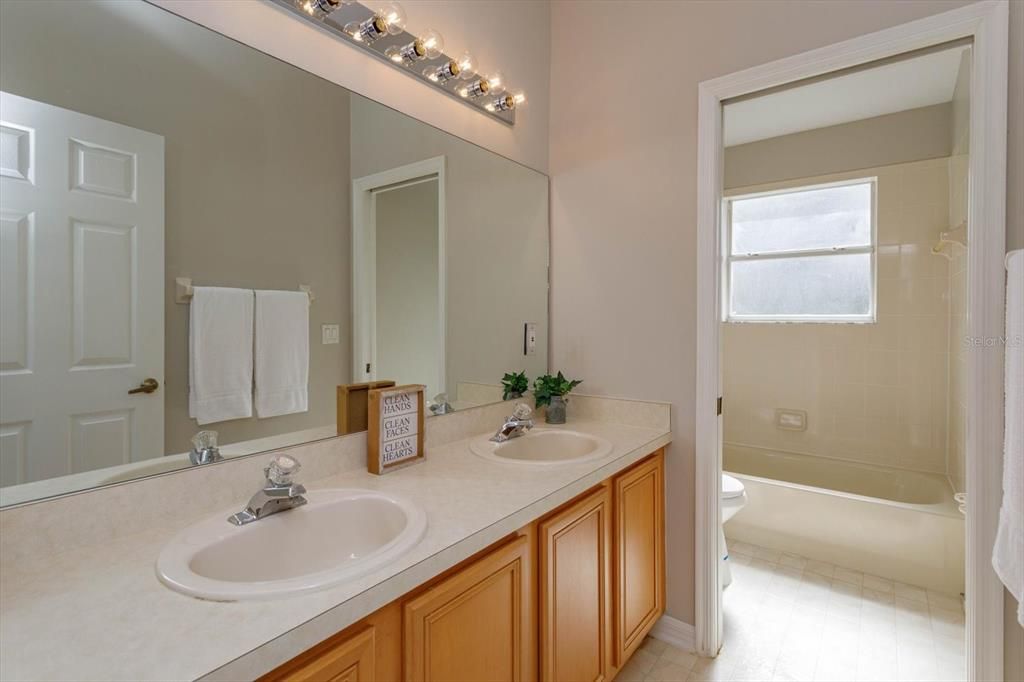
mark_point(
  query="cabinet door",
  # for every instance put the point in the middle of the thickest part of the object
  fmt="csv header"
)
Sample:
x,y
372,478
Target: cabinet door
x,y
640,554
351,660
476,625
575,585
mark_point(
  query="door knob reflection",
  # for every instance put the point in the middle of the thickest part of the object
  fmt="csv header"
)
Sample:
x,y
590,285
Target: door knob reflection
x,y
147,386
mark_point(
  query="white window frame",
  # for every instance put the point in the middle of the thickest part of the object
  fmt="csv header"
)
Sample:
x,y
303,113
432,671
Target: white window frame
x,y
728,258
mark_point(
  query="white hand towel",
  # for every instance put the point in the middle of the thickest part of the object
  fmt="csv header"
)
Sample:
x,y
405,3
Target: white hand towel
x,y
220,354
282,352
1008,553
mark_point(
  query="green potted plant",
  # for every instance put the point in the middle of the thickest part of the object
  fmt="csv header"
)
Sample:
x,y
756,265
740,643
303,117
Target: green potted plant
x,y
551,391
514,385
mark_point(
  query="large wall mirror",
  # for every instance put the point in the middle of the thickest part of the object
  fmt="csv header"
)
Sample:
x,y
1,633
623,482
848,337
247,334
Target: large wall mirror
x,y
197,236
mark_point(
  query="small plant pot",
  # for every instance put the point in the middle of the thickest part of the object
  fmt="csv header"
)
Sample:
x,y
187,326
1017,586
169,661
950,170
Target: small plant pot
x,y
556,410
513,395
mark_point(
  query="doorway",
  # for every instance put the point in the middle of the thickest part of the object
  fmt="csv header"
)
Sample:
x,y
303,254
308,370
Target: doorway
x,y
985,25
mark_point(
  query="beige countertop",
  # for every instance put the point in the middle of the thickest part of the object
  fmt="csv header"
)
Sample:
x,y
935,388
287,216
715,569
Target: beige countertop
x,y
99,611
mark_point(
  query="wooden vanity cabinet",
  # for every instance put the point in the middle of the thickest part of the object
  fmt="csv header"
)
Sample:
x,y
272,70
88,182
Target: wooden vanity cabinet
x,y
477,625
639,503
352,660
569,598
368,651
575,590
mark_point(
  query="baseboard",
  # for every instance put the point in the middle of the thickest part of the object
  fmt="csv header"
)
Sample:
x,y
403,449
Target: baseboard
x,y
675,632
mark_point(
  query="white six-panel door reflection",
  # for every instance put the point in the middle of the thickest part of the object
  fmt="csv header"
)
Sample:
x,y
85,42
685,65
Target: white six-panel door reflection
x,y
81,291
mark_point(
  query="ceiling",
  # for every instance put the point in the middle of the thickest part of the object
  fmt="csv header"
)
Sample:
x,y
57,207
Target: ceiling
x,y
897,86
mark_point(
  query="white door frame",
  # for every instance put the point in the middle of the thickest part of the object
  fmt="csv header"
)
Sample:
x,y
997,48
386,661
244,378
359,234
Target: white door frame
x,y
987,23
364,262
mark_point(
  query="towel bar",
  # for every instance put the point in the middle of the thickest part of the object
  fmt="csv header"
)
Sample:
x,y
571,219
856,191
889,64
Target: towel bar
x,y
183,290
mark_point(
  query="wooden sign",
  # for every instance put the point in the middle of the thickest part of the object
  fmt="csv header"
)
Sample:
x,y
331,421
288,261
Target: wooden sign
x,y
395,428
353,405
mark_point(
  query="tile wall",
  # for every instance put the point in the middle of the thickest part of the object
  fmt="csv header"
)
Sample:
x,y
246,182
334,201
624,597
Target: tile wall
x,y
875,393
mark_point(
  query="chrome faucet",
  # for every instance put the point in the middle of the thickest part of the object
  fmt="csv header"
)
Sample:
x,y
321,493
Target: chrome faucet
x,y
440,404
278,494
204,448
518,424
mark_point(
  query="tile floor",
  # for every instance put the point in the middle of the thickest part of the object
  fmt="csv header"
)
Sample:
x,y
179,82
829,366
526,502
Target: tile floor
x,y
790,618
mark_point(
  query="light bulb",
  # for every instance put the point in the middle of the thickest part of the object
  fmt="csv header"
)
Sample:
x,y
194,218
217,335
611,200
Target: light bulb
x,y
433,43
393,16
467,65
496,82
443,73
320,8
427,47
505,102
476,88
519,98
390,19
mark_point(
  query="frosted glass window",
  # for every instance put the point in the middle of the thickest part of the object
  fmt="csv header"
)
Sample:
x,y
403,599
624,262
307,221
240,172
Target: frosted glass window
x,y
806,219
805,254
815,285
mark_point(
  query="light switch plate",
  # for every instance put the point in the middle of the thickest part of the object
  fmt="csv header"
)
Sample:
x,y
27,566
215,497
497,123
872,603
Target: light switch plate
x,y
330,334
530,338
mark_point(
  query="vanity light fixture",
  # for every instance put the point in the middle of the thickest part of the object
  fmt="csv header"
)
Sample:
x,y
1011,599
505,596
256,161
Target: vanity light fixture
x,y
477,88
379,29
388,20
489,85
321,8
506,102
430,45
463,68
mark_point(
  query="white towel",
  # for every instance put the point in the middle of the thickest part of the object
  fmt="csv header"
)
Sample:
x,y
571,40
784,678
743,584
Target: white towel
x,y
282,352
220,354
1008,553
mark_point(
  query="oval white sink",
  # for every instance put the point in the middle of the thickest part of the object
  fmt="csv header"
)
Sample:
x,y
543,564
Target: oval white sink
x,y
543,447
339,535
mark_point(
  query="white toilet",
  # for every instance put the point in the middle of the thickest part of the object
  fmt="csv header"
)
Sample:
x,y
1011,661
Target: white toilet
x,y
733,499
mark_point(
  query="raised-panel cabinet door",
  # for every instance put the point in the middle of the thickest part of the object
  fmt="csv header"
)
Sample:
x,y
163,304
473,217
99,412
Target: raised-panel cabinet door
x,y
352,660
575,586
640,554
476,625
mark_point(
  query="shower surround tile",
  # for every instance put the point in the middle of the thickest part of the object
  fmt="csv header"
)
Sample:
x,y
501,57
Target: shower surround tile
x,y
874,393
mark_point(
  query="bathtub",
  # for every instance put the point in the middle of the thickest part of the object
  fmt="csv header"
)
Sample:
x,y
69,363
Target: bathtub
x,y
897,524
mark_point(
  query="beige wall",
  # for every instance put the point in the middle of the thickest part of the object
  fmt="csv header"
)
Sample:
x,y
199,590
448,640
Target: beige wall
x,y
496,242
623,164
251,196
913,135
514,37
874,393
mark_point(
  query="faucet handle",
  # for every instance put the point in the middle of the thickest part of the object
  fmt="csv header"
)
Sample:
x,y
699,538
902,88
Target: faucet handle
x,y
204,440
281,469
522,411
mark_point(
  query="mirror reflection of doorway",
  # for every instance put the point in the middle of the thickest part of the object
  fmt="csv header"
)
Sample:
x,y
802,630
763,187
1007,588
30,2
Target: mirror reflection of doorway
x,y
398,276
81,310
407,276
